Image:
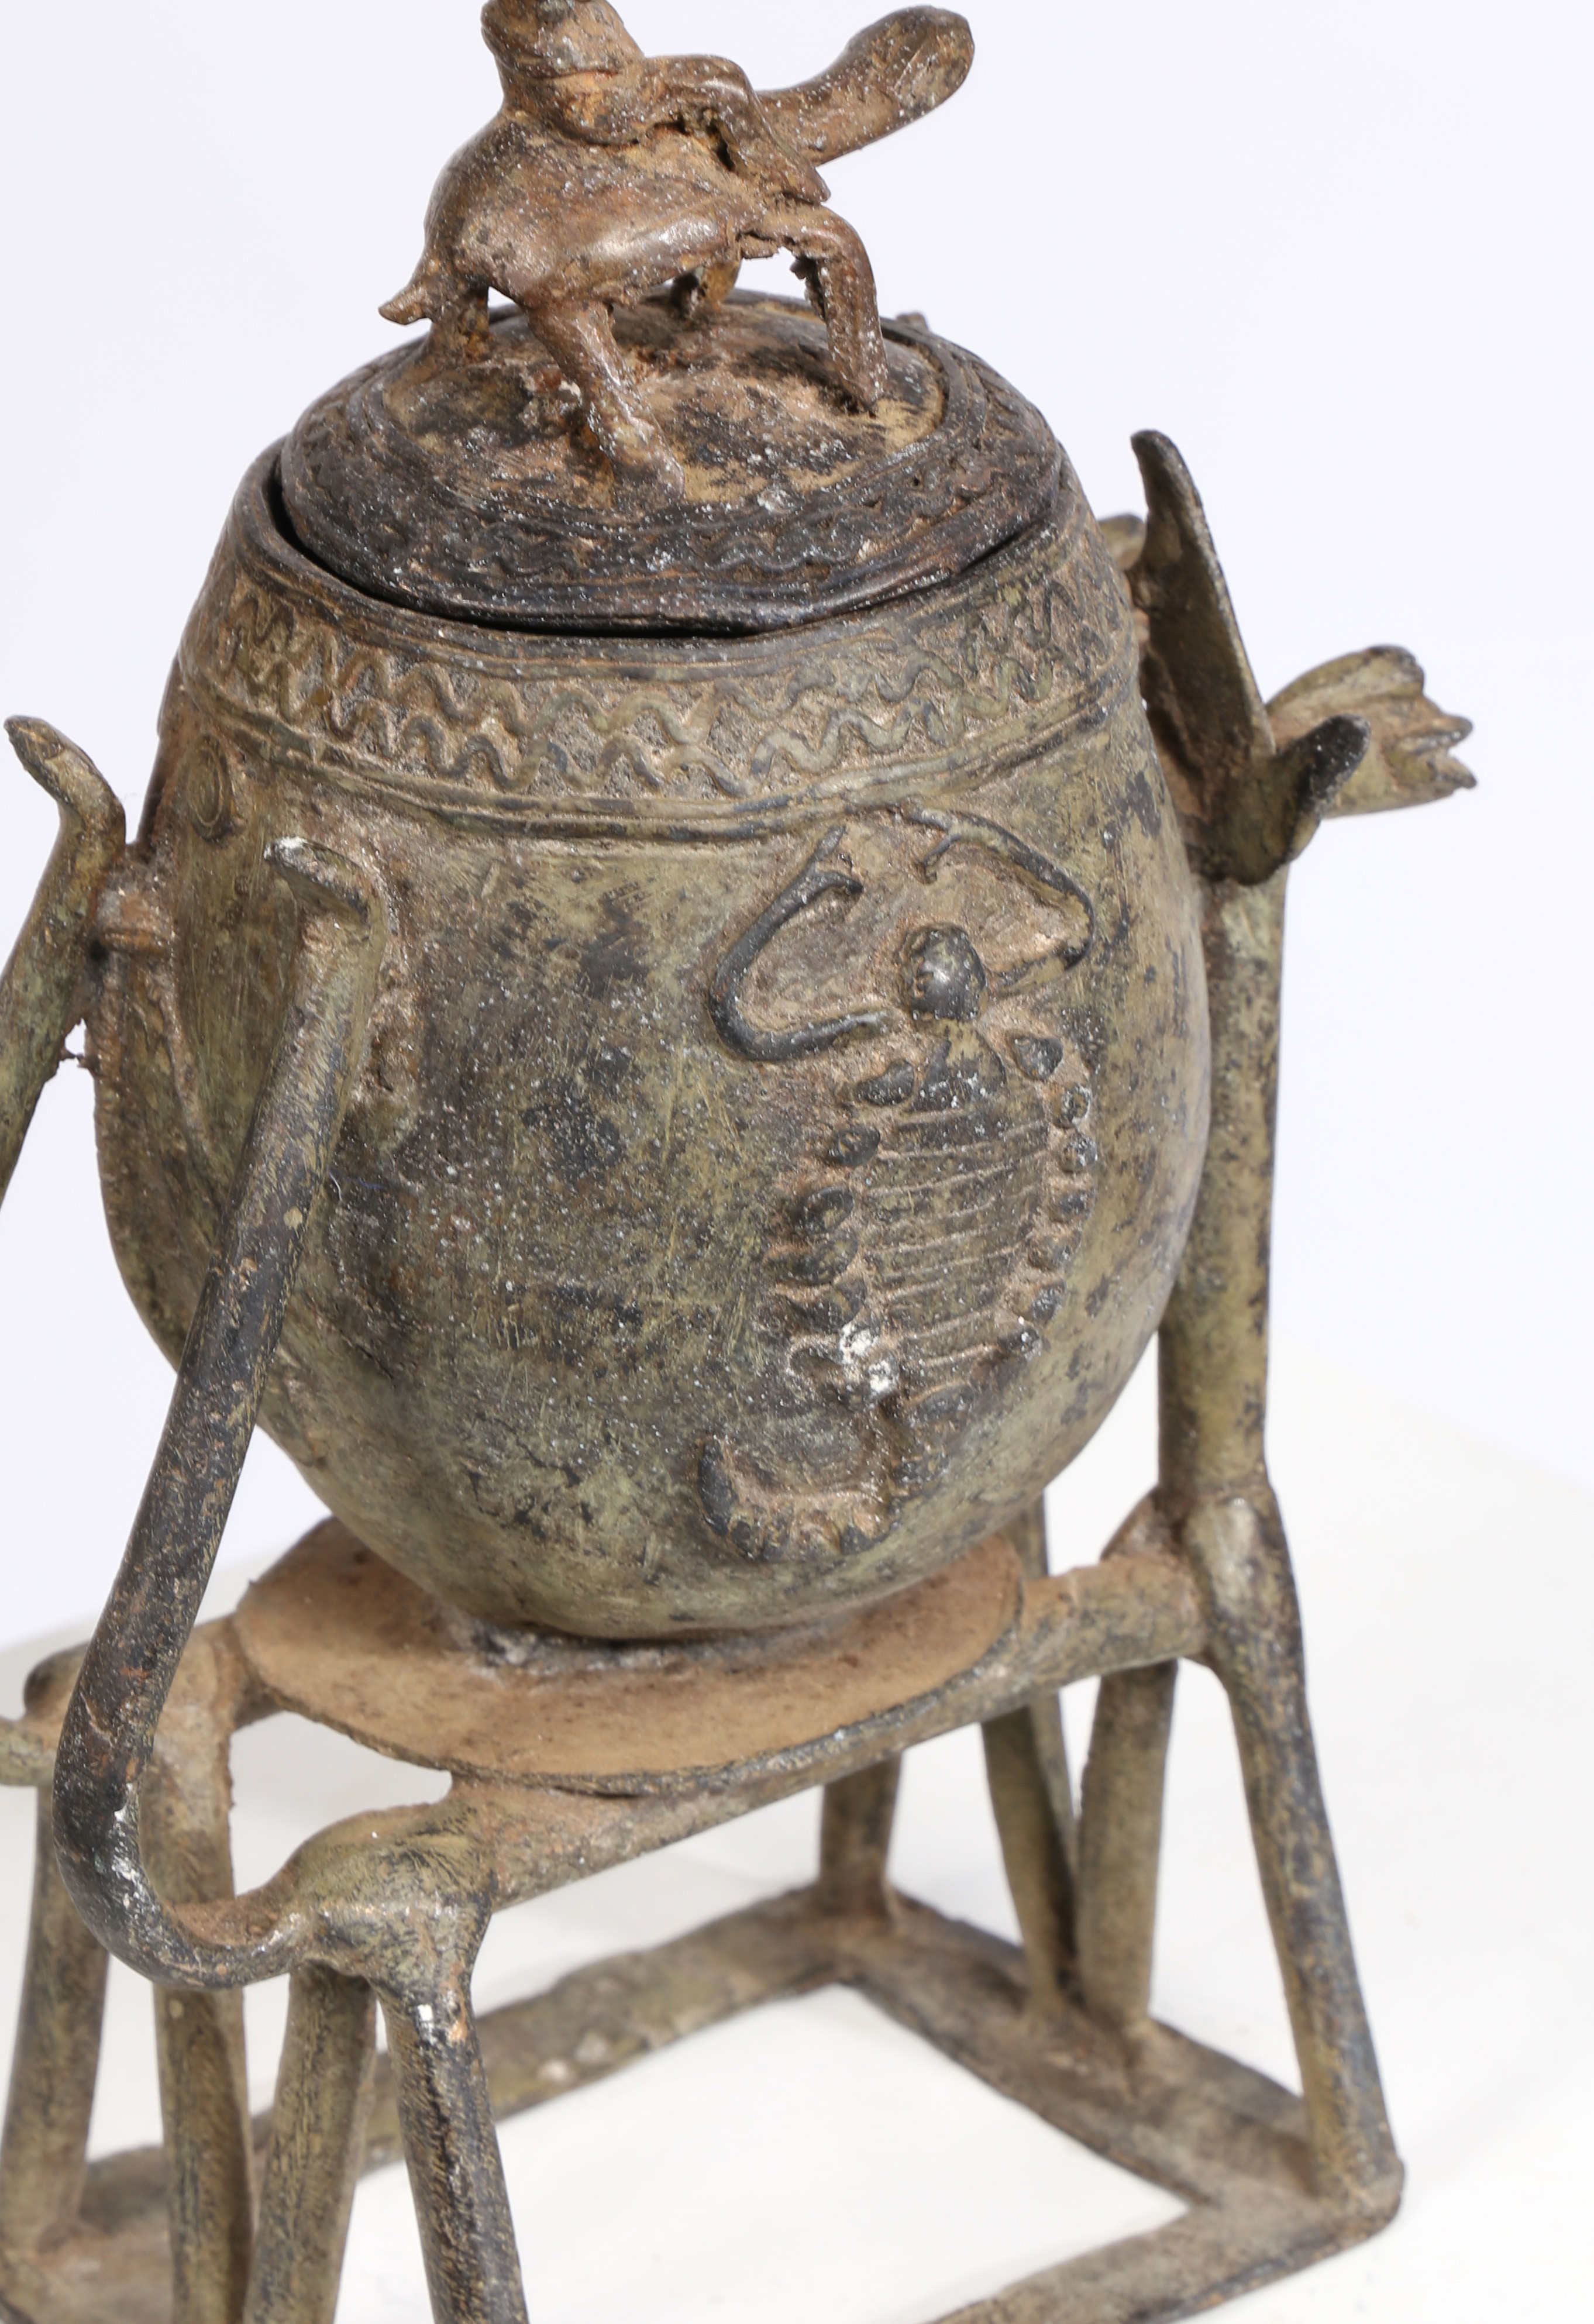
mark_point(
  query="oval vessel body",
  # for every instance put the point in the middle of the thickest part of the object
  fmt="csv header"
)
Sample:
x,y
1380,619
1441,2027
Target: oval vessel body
x,y
786,1093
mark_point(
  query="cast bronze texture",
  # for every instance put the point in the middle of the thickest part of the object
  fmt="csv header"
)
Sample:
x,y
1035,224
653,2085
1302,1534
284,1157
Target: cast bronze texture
x,y
681,1135
696,1252
785,1078
470,492
607,174
241,2219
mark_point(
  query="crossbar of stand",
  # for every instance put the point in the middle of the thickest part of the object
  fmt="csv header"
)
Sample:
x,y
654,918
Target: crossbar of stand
x,y
1229,2141
1233,2145
589,1759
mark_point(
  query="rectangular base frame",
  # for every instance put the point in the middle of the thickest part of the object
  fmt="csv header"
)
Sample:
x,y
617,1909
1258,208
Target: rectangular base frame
x,y
1228,2141
230,2225
242,2222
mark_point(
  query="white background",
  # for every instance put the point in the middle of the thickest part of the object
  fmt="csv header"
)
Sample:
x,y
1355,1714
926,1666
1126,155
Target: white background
x,y
813,2161
1340,254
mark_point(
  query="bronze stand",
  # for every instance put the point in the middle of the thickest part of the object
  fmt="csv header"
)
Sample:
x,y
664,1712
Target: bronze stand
x,y
568,1758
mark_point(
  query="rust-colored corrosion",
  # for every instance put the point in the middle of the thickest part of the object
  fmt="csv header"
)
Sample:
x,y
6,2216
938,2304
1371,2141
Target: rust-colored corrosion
x,y
660,1032
326,1629
607,174
393,1906
783,1086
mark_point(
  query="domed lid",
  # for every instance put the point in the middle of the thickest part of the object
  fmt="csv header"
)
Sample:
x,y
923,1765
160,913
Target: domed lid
x,y
476,494
632,445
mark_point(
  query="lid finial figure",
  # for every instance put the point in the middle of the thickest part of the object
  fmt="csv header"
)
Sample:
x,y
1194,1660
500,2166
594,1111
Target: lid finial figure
x,y
607,176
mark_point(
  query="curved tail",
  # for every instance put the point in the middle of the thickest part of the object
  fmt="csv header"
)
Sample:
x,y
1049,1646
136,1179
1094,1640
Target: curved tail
x,y
893,73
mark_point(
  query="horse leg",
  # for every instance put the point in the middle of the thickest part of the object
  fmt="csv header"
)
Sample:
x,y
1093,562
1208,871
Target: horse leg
x,y
460,330
703,289
580,338
835,266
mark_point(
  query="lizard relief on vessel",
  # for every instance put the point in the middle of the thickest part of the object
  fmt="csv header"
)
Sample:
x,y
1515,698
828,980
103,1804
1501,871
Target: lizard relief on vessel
x,y
915,1258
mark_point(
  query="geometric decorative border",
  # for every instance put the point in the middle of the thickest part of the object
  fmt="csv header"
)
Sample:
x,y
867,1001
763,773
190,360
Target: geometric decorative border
x,y
948,687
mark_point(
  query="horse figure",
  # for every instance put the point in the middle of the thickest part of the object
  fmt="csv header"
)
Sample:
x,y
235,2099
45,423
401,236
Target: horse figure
x,y
608,175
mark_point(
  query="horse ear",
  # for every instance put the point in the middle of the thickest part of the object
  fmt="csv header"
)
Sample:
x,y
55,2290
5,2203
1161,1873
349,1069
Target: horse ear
x,y
554,37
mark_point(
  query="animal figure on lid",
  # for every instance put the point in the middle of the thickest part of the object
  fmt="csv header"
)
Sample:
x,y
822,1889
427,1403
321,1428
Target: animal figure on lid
x,y
608,176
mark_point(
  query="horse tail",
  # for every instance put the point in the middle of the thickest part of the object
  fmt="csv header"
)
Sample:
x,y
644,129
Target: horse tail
x,y
419,298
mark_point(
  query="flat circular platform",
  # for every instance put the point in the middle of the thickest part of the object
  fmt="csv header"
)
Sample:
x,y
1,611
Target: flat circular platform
x,y
338,1636
473,489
